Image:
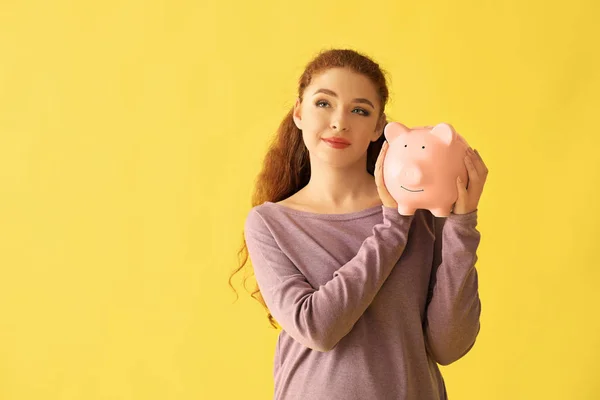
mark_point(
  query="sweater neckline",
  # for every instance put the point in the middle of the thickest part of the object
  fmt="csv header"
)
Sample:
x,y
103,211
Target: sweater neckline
x,y
338,217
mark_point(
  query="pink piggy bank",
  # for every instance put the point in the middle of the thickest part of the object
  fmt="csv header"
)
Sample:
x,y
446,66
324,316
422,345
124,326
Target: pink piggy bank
x,y
421,166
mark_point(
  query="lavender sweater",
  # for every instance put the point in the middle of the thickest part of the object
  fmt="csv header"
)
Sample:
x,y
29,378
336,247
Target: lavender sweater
x,y
369,302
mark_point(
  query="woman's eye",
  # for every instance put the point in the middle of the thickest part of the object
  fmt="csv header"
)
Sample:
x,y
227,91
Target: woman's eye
x,y
363,112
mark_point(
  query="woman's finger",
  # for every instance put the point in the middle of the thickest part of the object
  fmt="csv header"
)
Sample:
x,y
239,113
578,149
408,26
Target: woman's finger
x,y
459,205
473,175
480,165
378,165
384,195
462,188
380,153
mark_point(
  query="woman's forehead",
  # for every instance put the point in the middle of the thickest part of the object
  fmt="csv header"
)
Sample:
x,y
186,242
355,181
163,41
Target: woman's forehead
x,y
343,83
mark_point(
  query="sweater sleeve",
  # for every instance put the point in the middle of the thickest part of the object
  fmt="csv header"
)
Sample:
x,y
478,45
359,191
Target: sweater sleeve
x,y
452,322
320,318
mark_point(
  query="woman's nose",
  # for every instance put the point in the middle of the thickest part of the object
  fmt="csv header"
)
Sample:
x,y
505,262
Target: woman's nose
x,y
335,127
339,124
339,120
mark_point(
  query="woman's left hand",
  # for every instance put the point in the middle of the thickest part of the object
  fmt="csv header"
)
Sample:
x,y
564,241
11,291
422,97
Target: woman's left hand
x,y
468,197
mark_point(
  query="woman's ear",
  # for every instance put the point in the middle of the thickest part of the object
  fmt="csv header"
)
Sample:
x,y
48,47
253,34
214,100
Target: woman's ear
x,y
297,114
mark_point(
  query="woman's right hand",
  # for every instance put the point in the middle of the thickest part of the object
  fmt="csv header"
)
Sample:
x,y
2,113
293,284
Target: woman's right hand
x,y
384,195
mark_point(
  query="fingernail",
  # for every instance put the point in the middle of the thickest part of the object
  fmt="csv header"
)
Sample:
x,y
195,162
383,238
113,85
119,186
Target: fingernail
x,y
459,180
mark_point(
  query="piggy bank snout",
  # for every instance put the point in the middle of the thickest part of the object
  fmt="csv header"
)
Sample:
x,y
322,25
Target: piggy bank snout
x,y
411,174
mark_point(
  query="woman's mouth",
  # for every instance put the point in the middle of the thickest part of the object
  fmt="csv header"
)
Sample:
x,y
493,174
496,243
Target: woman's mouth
x,y
336,145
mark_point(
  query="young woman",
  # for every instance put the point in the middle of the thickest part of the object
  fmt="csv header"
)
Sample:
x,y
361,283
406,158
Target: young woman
x,y
369,301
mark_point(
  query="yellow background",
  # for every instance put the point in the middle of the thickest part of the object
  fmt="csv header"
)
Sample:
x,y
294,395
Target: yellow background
x,y
130,136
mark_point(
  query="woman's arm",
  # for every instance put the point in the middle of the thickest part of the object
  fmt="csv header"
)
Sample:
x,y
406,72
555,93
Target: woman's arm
x,y
320,318
452,318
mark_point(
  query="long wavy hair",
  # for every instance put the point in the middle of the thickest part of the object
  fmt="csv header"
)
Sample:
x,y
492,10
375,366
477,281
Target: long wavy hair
x,y
286,166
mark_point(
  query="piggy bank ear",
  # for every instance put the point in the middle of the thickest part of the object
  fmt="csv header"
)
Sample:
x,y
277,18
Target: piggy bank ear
x,y
394,129
444,132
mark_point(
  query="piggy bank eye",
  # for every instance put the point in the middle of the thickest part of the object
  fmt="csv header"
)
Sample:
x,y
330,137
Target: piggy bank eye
x,y
405,145
423,147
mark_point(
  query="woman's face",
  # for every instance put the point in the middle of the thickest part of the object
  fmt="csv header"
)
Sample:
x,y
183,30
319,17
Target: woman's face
x,y
339,103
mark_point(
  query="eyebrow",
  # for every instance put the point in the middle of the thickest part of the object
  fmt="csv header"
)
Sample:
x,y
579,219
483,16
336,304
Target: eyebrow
x,y
332,93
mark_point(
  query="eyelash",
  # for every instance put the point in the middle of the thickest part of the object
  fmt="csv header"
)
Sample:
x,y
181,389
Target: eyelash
x,y
366,113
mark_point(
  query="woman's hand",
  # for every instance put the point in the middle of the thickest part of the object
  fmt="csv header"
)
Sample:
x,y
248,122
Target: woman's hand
x,y
468,198
384,195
